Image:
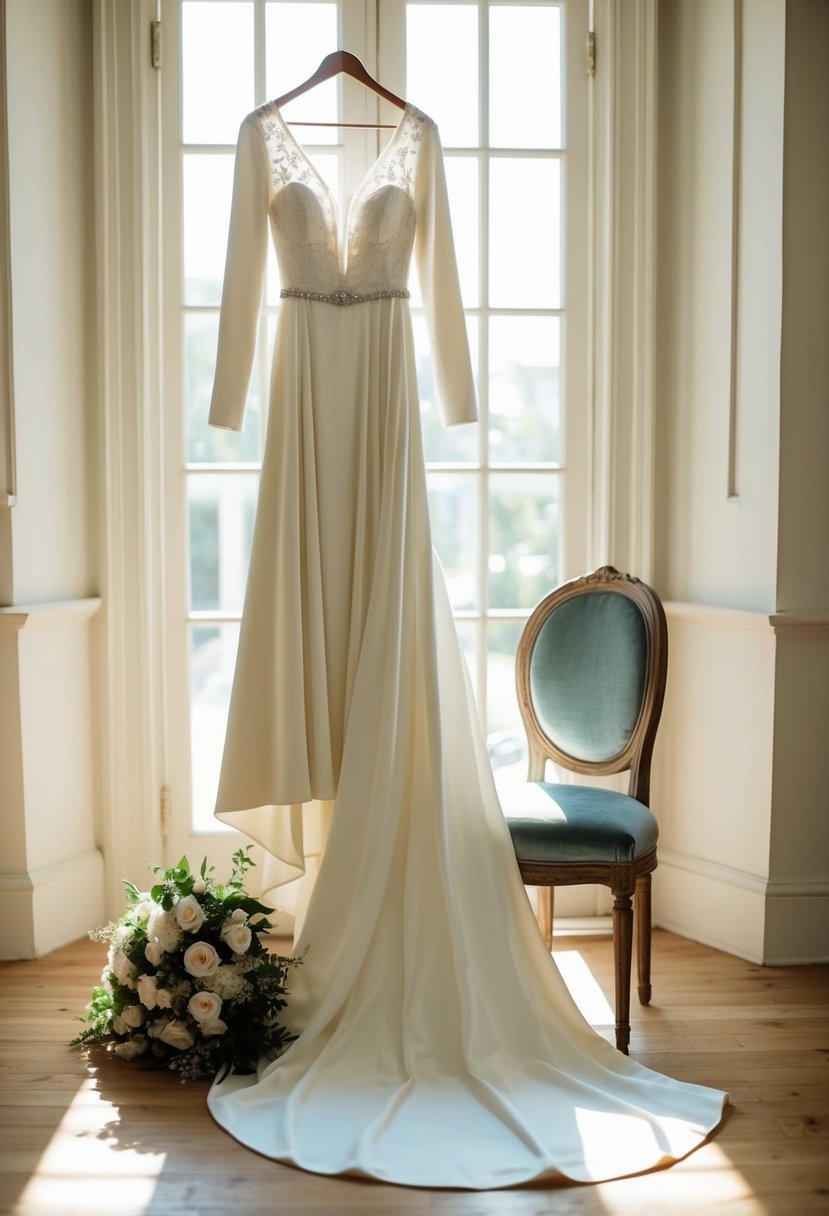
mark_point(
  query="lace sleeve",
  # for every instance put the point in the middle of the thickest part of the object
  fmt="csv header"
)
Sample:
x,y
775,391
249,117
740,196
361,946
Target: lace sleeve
x,y
438,273
247,247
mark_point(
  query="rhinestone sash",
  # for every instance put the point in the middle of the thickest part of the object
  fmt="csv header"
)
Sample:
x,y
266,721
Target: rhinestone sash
x,y
345,297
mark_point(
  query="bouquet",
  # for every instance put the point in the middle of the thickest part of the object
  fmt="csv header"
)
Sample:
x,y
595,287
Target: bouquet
x,y
188,984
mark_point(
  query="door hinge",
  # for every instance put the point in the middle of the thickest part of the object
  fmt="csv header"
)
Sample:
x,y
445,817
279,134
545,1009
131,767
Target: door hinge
x,y
590,53
155,44
165,813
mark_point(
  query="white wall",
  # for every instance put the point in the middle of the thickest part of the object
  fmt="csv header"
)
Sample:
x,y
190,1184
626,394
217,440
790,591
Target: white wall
x,y
743,491
51,879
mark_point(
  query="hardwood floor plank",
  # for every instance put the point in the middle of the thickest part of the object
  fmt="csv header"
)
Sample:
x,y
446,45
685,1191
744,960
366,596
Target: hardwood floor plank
x,y
83,1136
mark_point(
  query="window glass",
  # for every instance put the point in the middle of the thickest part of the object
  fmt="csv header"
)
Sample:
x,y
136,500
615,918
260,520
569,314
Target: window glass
x,y
216,70
525,76
524,225
442,68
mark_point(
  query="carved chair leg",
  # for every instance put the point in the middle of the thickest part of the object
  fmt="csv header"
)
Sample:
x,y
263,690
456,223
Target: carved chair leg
x,y
622,951
643,936
545,914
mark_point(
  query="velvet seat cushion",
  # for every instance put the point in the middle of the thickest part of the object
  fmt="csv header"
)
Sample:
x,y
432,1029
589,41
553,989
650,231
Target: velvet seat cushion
x,y
557,823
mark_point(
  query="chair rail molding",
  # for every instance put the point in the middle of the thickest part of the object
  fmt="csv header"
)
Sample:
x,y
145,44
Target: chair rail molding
x,y
128,272
622,285
8,477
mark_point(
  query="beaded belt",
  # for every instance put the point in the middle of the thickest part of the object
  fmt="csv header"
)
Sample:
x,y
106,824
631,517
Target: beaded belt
x,y
345,297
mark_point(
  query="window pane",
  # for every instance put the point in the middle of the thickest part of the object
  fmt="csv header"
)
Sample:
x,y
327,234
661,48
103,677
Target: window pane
x,y
524,228
525,77
523,538
468,632
212,660
453,510
206,443
442,68
462,186
503,714
442,444
221,509
217,70
297,38
208,184
524,403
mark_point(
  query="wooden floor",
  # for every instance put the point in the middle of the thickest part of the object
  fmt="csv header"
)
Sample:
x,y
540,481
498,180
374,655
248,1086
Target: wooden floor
x,y
77,1137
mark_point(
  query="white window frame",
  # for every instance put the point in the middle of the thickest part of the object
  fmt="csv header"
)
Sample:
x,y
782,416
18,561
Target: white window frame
x,y
135,763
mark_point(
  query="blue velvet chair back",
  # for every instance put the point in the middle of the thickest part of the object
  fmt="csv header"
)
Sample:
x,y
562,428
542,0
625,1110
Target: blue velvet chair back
x,y
587,674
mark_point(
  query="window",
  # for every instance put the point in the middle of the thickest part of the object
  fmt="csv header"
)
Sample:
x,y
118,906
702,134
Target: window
x,y
507,496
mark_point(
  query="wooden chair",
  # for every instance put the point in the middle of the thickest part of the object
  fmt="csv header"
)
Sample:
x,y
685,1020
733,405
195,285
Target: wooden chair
x,y
590,674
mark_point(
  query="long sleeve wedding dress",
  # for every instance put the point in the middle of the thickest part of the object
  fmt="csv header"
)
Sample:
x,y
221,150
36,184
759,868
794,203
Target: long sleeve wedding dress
x,y
438,1044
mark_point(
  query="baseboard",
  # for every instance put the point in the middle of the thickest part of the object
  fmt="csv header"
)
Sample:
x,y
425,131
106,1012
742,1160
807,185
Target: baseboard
x,y
797,922
775,922
716,905
50,907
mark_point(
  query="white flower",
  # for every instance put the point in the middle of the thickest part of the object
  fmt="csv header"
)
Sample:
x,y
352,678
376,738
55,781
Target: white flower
x,y
121,935
204,1006
164,998
153,953
200,959
119,1025
132,1016
227,982
199,886
148,991
143,909
162,928
236,935
132,1048
176,1034
189,914
121,967
238,914
212,1028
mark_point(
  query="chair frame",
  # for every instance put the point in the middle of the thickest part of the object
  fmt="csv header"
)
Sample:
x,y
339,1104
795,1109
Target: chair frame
x,y
627,880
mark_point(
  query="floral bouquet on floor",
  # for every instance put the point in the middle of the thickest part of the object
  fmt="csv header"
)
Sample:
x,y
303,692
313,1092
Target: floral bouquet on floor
x,y
188,983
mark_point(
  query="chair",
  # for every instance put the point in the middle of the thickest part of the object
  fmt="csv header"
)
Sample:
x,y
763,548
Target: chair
x,y
590,675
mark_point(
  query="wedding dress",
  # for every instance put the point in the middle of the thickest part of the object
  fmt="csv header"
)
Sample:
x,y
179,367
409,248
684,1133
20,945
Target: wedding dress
x,y
438,1044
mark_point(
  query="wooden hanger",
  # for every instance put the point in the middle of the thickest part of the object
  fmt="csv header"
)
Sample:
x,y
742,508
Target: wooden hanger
x,y
332,65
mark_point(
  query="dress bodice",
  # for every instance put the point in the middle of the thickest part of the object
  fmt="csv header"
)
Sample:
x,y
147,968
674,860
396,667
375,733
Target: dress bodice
x,y
371,258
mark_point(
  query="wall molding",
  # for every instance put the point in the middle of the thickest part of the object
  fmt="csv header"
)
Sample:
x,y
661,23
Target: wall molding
x,y
730,875
796,625
717,617
8,475
127,137
57,612
622,287
49,907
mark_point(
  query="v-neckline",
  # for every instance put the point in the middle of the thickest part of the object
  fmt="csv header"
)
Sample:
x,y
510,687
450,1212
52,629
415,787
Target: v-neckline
x,y
342,218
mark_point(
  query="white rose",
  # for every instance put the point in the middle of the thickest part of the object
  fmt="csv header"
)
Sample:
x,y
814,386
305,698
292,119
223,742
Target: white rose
x,y
189,914
199,886
238,914
176,1034
148,991
164,998
133,1016
205,1006
236,935
119,1025
153,953
212,1028
200,959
